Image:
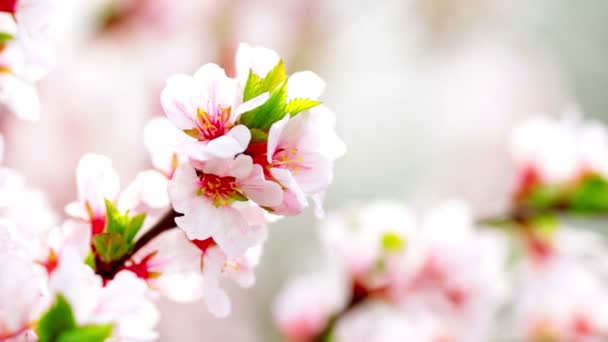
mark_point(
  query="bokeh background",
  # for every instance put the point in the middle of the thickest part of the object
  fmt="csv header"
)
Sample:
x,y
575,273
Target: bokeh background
x,y
426,92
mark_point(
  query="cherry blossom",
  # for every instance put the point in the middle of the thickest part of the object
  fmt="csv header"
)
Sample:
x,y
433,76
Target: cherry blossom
x,y
209,196
207,106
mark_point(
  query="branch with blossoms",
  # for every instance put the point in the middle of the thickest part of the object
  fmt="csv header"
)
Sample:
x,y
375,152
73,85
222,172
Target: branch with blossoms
x,y
231,155
525,275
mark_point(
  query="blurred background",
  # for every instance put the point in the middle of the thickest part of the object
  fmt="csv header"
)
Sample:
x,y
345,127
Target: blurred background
x,y
425,91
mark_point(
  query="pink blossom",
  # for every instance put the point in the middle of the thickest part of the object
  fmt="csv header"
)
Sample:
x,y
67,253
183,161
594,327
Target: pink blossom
x,y
206,106
208,197
300,155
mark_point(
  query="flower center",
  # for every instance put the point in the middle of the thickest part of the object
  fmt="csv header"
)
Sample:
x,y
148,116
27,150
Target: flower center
x,y
288,158
222,191
211,125
9,6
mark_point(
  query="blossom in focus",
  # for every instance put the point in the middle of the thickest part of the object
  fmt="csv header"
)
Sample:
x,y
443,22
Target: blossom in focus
x,y
206,107
300,155
208,199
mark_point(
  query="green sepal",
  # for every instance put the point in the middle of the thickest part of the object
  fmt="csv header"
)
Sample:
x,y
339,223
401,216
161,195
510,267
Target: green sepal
x,y
111,246
119,234
56,320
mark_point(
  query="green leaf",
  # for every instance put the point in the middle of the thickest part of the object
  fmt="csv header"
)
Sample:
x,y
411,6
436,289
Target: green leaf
x,y
590,196
88,333
253,87
111,246
5,37
56,320
123,224
392,243
256,86
298,105
273,110
270,112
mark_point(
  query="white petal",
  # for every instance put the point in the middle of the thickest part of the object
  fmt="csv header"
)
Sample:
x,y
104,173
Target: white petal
x,y
251,104
235,235
20,97
263,192
176,99
294,199
306,85
183,187
226,146
258,59
274,136
201,220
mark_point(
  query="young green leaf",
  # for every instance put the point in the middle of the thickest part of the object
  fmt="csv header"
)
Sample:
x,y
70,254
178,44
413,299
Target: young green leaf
x,y
111,246
123,224
56,320
256,86
270,112
88,333
298,105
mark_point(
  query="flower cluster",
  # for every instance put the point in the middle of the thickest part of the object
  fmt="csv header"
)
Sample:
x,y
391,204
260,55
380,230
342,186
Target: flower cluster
x,y
561,163
257,144
446,279
26,53
413,277
233,154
